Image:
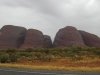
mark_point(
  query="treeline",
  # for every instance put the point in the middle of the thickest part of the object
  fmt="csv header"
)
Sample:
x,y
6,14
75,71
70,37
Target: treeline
x,y
48,54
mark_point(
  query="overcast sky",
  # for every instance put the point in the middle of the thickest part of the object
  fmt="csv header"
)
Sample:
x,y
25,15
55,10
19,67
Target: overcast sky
x,y
49,16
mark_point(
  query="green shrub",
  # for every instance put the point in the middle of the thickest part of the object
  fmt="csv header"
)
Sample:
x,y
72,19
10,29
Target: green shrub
x,y
21,58
45,57
70,54
13,57
74,49
10,50
97,52
26,54
88,48
49,58
29,50
46,50
37,50
38,55
55,53
4,58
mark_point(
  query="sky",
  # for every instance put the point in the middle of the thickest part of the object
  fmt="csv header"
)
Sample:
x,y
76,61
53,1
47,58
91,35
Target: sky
x,y
49,16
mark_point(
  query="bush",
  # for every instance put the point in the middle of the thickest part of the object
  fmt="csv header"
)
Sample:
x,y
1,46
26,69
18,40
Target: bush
x,y
88,48
10,50
38,55
4,58
44,57
97,52
46,50
70,54
29,50
13,57
55,53
74,49
26,54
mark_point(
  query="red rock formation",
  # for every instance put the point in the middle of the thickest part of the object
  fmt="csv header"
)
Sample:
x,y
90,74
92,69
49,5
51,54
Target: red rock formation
x,y
11,36
18,37
47,41
34,39
68,36
90,39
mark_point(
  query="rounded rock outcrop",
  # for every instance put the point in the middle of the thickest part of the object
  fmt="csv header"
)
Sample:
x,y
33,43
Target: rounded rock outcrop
x,y
12,36
33,39
47,41
68,36
90,40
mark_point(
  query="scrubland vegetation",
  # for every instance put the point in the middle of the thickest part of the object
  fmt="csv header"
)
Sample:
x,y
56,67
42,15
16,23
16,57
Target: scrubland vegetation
x,y
72,58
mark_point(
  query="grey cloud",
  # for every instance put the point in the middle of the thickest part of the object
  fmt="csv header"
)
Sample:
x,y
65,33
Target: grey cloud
x,y
51,15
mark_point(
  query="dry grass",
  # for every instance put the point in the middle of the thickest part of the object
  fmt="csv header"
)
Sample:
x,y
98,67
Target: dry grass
x,y
67,62
95,69
58,64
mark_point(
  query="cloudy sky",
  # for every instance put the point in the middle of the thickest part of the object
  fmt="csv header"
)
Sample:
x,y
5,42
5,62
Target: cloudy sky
x,y
49,16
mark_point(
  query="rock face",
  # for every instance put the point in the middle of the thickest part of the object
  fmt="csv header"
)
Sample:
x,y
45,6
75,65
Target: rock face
x,y
19,37
68,36
90,39
33,39
11,36
47,41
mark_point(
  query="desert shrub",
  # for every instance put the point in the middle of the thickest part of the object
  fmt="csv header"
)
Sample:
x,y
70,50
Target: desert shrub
x,y
42,57
30,59
46,50
4,58
65,50
49,58
10,50
29,50
74,49
55,53
21,50
97,52
18,55
21,58
13,57
45,57
2,51
23,53
35,49
38,55
26,54
88,48
70,54
63,54
57,50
